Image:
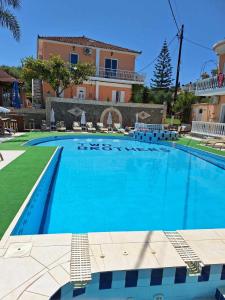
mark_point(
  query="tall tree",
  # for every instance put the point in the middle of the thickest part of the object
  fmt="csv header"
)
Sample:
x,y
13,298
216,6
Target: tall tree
x,y
163,70
7,18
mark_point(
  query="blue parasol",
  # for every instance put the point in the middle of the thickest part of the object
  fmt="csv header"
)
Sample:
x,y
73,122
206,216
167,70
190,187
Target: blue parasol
x,y
15,97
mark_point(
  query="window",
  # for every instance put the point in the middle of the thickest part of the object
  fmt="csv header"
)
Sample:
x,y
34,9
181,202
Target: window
x,y
118,96
110,67
131,279
180,275
73,58
223,273
204,274
105,281
78,292
156,277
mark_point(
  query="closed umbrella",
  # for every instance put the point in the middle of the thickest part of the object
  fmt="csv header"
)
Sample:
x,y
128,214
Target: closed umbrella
x,y
4,110
83,118
109,119
16,98
52,118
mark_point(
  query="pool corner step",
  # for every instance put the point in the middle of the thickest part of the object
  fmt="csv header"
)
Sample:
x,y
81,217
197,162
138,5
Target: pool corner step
x,y
80,265
187,254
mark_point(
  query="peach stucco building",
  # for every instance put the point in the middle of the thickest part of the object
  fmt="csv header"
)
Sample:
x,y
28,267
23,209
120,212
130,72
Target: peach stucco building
x,y
213,87
115,67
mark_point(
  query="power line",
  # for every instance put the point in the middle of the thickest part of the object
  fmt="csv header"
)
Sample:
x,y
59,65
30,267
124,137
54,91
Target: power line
x,y
177,12
152,62
174,18
197,44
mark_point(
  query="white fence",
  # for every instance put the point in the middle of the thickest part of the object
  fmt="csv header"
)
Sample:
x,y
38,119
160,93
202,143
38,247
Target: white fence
x,y
208,128
151,127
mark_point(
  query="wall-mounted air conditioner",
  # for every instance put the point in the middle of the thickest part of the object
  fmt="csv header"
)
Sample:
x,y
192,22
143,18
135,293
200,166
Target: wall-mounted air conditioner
x,y
87,51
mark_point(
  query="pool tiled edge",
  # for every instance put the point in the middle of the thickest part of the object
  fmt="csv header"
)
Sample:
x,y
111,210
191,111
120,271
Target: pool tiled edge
x,y
50,166
45,269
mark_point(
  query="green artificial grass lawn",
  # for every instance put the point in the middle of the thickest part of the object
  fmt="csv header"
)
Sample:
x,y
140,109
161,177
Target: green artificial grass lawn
x,y
197,144
18,178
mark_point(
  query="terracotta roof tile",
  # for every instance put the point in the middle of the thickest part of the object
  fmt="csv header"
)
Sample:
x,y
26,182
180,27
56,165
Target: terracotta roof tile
x,y
85,41
5,77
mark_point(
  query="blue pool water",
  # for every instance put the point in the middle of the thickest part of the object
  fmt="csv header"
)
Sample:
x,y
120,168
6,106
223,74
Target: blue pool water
x,y
121,185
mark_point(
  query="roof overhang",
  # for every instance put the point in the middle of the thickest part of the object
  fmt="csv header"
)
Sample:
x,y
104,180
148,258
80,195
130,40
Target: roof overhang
x,y
219,47
136,53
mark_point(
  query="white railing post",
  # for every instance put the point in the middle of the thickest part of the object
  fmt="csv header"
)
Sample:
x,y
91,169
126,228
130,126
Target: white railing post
x,y
208,128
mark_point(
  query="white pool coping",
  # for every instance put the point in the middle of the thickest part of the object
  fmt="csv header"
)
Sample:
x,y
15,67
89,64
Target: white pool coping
x,y
44,264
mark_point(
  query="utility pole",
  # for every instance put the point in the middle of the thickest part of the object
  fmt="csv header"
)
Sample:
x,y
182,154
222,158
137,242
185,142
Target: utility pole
x,y
180,36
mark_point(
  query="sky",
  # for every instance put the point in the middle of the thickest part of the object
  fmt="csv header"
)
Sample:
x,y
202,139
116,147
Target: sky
x,y
139,25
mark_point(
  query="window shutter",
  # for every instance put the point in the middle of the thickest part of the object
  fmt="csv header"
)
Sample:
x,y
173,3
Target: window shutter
x,y
122,96
114,96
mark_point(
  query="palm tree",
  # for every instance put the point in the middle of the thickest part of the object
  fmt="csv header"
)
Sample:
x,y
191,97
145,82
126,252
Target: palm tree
x,y
7,19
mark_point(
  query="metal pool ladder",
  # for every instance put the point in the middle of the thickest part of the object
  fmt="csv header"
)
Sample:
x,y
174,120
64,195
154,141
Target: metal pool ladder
x,y
191,259
80,265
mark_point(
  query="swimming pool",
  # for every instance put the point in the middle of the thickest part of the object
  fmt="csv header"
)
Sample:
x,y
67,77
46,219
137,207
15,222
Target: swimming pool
x,y
112,184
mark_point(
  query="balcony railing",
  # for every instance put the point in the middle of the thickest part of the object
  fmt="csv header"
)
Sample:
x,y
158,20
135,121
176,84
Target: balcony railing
x,y
120,74
211,84
208,128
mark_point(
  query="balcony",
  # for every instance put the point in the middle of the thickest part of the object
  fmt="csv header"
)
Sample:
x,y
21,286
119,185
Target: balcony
x,y
210,86
120,75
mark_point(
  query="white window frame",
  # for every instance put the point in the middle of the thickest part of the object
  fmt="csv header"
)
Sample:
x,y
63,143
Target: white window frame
x,y
114,92
79,88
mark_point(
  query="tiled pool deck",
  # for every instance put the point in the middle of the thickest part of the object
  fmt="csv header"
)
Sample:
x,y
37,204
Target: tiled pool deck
x,y
35,267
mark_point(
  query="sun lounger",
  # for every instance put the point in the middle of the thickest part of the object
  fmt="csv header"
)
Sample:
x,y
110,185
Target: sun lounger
x,y
76,127
90,128
60,126
118,128
219,145
101,128
44,126
211,142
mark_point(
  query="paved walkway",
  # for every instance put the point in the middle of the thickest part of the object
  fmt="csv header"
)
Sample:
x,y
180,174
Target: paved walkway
x,y
9,156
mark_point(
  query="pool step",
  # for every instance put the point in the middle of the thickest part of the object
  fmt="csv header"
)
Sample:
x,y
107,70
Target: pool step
x,y
80,265
191,259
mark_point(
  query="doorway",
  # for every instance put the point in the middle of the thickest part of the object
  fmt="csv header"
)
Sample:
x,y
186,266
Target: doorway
x,y
81,93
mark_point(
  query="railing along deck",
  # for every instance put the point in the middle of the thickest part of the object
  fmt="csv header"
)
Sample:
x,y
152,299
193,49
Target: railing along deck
x,y
151,127
208,128
120,74
210,83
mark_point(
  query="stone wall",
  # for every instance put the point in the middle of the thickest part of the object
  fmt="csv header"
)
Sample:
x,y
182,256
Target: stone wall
x,y
29,113
70,110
